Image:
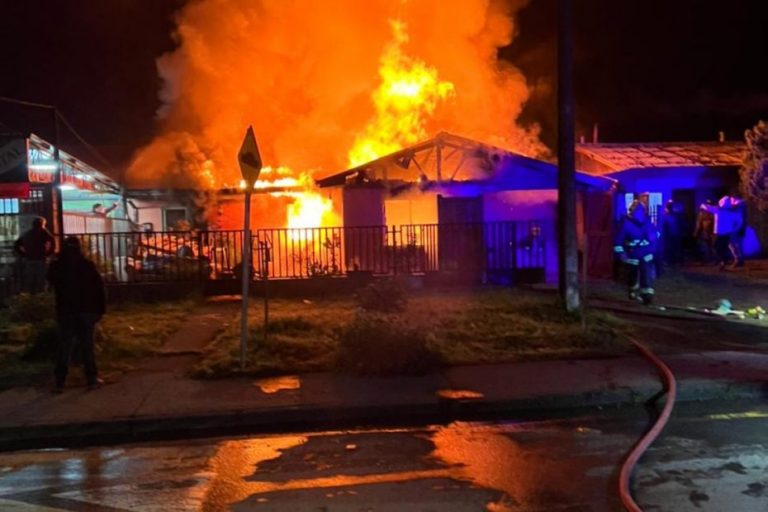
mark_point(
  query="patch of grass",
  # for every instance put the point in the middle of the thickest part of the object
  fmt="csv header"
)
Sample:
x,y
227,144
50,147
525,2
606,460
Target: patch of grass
x,y
375,344
131,331
302,337
458,326
125,334
383,296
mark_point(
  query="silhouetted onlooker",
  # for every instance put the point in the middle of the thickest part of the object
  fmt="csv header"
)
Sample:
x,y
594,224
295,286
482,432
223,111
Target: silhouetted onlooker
x,y
34,247
80,303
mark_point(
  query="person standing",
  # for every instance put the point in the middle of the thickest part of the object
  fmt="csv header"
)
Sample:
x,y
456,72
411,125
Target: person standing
x,y
704,233
80,304
729,217
635,244
34,247
739,207
672,234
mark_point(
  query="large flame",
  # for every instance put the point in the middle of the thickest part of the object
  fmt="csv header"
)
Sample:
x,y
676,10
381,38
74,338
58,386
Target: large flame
x,y
327,85
407,95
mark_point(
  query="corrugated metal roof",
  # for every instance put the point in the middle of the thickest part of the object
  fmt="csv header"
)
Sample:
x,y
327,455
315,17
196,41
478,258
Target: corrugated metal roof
x,y
620,156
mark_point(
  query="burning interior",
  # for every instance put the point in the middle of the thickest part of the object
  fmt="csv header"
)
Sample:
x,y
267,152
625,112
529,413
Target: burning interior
x,y
326,88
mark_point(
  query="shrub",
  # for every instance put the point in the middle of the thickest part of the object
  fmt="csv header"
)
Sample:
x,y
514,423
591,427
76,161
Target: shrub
x,y
384,296
382,345
32,322
33,309
42,343
289,324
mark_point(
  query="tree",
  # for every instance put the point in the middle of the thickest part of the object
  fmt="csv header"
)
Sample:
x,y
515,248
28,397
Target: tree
x,y
754,171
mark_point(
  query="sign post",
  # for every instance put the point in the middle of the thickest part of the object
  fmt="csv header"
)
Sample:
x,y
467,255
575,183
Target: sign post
x,y
250,168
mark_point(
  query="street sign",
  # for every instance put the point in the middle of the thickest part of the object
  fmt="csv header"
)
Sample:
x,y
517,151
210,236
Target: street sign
x,y
249,159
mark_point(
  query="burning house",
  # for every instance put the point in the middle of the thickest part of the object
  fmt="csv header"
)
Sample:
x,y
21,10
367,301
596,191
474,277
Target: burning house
x,y
468,205
371,106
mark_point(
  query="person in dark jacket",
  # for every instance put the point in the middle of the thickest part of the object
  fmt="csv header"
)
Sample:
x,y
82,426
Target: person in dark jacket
x,y
635,244
672,234
34,247
80,304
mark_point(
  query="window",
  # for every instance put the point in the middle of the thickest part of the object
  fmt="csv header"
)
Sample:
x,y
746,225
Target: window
x,y
9,206
174,217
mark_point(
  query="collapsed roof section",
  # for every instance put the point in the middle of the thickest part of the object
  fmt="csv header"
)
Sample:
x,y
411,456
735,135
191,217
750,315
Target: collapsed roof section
x,y
449,159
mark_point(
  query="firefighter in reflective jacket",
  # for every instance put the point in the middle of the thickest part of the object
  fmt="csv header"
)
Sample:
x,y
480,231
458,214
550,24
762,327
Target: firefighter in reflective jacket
x,y
635,245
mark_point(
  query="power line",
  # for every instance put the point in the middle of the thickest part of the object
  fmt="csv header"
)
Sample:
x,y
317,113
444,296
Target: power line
x,y
26,103
66,124
85,143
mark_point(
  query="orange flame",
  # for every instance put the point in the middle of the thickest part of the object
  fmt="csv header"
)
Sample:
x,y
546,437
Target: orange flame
x,y
408,94
326,85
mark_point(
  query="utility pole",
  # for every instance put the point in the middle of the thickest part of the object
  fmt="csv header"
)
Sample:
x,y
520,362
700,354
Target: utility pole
x,y
58,200
568,258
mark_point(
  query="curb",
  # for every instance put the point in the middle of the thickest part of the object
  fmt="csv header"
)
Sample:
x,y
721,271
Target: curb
x,y
308,418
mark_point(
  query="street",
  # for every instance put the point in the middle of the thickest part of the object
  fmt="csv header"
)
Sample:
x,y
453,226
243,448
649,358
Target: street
x,y
704,460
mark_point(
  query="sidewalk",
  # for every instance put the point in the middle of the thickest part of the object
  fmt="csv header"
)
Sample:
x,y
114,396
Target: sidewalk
x,y
158,399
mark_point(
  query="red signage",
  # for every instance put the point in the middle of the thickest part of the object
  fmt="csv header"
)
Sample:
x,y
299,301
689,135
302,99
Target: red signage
x,y
14,190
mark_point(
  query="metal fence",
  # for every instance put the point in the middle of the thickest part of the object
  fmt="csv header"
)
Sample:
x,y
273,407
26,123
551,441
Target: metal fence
x,y
281,253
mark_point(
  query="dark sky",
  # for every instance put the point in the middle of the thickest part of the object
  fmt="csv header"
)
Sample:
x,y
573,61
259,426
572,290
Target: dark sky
x,y
645,70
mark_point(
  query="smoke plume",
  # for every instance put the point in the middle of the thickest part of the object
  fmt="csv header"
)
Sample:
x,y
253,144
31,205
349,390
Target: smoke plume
x,y
307,74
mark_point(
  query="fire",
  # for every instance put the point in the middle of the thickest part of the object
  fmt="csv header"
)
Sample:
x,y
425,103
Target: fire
x,y
409,93
327,85
310,210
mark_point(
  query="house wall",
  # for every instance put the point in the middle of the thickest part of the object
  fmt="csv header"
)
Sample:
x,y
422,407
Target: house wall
x,y
363,206
705,182
152,211
700,184
416,209
537,206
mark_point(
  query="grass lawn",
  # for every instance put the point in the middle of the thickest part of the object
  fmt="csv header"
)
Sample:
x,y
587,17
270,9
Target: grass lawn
x,y
458,327
126,333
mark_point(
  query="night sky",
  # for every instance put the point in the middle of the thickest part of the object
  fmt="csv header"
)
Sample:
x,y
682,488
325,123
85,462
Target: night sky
x,y
645,71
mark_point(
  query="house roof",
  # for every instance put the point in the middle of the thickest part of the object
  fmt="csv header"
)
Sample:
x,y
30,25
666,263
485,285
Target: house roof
x,y
444,159
621,156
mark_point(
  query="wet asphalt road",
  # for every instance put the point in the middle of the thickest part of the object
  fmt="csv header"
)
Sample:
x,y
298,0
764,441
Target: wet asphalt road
x,y
705,460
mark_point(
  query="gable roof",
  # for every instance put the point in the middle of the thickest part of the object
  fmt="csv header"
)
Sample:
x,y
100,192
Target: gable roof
x,y
446,158
615,157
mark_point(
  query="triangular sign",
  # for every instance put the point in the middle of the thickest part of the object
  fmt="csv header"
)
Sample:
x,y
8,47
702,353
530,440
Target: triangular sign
x,y
249,158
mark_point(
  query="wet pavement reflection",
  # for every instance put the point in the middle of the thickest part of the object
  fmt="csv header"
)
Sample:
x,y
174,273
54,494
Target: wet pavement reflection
x,y
705,462
276,384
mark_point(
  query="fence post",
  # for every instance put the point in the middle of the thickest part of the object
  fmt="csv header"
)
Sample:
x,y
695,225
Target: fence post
x,y
201,275
514,252
394,250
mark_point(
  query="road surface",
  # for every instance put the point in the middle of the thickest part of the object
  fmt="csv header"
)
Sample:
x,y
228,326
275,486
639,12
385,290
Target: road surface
x,y
705,460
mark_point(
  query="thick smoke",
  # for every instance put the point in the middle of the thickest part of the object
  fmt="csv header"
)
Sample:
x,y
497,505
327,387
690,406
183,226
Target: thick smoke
x,y
303,72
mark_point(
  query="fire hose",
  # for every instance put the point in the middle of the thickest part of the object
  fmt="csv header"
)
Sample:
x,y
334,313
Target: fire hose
x,y
642,445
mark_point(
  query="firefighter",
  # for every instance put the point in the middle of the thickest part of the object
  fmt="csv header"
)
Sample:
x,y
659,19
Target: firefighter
x,y
635,245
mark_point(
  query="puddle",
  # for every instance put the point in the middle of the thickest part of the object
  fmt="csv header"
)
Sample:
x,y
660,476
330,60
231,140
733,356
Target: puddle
x,y
275,384
458,394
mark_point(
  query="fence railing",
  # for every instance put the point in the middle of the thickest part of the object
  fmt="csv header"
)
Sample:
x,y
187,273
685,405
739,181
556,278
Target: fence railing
x,y
284,253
